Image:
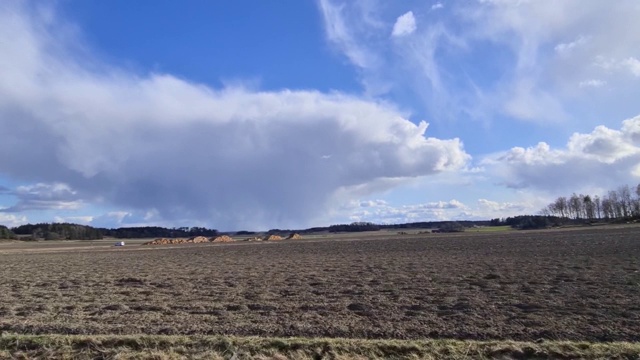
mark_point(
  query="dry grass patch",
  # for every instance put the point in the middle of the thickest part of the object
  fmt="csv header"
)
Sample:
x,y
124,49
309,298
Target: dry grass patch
x,y
221,347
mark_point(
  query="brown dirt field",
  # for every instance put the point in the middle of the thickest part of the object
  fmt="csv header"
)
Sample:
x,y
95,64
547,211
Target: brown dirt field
x,y
581,284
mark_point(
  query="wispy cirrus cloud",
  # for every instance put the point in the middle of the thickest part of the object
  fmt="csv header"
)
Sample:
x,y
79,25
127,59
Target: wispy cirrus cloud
x,y
541,53
592,83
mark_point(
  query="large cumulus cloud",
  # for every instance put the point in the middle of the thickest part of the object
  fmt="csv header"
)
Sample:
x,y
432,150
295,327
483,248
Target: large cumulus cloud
x,y
602,158
225,157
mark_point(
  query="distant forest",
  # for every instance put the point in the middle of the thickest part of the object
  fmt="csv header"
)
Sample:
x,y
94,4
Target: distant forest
x,y
66,231
618,205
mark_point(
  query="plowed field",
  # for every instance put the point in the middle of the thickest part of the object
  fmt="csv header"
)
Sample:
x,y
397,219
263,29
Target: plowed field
x,y
557,285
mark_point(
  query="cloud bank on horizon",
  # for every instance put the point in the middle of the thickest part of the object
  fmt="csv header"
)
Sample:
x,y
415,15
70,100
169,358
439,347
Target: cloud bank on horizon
x,y
89,141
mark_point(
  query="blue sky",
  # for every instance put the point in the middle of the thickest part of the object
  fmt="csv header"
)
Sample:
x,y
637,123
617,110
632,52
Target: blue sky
x,y
254,115
278,45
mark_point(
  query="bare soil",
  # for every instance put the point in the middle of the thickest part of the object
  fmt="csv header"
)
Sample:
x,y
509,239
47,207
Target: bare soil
x,y
580,285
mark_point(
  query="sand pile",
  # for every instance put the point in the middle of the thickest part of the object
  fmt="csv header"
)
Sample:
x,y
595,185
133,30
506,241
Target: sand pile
x,y
272,237
294,237
193,240
223,238
165,241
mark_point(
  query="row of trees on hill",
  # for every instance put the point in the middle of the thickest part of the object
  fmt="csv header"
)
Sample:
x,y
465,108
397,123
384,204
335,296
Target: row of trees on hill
x,y
444,226
616,204
59,231
528,222
66,231
354,227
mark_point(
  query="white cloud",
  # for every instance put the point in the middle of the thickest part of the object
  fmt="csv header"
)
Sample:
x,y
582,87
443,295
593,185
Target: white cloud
x,y
579,34
523,203
494,206
437,6
363,37
381,212
526,102
484,209
405,25
605,158
226,157
371,203
345,37
119,215
630,64
452,204
45,191
564,48
354,29
41,196
84,220
12,220
115,219
633,65
606,64
592,83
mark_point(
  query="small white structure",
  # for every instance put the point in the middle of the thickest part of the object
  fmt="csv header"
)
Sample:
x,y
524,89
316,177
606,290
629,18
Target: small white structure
x,y
119,243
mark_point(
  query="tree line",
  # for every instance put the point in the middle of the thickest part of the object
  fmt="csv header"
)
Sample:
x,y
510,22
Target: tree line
x,y
361,226
529,222
67,231
58,231
622,203
6,233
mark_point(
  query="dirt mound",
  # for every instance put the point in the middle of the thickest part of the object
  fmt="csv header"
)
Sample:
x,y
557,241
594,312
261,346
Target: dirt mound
x,y
272,237
198,239
165,241
223,238
294,237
